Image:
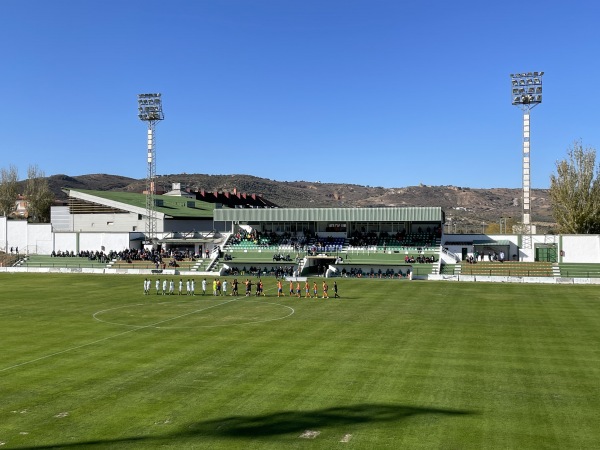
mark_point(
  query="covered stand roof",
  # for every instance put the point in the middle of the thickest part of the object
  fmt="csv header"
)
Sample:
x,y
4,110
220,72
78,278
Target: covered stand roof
x,y
382,214
491,243
167,206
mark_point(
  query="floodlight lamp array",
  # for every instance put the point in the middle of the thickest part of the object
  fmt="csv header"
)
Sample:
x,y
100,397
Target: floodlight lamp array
x,y
526,88
150,107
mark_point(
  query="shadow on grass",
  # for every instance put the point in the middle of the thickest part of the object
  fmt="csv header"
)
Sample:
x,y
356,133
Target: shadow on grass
x,y
299,421
275,424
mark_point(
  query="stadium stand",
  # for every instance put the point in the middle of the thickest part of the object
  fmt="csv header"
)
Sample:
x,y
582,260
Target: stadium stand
x,y
512,268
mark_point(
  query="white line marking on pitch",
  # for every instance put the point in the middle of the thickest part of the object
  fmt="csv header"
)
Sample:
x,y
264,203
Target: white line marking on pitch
x,y
242,323
346,438
292,311
106,338
309,434
154,325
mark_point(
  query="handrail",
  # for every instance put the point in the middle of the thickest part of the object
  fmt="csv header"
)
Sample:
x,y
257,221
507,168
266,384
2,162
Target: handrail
x,y
507,272
578,273
451,254
66,266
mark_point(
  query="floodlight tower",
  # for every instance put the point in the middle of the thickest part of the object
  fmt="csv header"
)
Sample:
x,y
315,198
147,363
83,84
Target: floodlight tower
x,y
150,111
526,94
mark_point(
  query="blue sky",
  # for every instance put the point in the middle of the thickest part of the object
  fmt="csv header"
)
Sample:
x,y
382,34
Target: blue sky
x,y
371,92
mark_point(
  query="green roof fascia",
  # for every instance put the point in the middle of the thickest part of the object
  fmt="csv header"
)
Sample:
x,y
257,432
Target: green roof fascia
x,y
172,206
382,214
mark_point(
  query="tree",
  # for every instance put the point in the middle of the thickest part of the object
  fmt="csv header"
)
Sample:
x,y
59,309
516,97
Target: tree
x,y
575,192
38,194
8,190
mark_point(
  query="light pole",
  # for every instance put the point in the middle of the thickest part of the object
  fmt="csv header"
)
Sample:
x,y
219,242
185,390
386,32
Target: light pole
x,y
526,94
150,111
504,221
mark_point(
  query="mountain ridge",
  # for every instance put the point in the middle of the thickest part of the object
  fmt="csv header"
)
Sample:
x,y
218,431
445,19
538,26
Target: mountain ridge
x,y
467,207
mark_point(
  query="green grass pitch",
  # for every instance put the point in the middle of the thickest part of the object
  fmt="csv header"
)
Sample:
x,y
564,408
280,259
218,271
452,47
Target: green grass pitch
x,y
90,362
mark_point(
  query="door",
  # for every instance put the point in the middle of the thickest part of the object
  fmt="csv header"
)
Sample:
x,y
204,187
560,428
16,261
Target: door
x,y
546,253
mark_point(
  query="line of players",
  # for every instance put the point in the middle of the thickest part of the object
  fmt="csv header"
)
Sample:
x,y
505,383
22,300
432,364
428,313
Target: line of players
x,y
167,287
307,294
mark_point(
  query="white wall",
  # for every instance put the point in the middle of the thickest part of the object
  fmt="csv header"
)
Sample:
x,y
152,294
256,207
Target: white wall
x,y
102,222
110,241
3,235
16,231
76,242
39,238
581,248
128,222
65,242
29,238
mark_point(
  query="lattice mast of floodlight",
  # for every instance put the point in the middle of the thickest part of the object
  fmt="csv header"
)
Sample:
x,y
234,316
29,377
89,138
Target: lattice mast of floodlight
x,y
150,111
526,94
